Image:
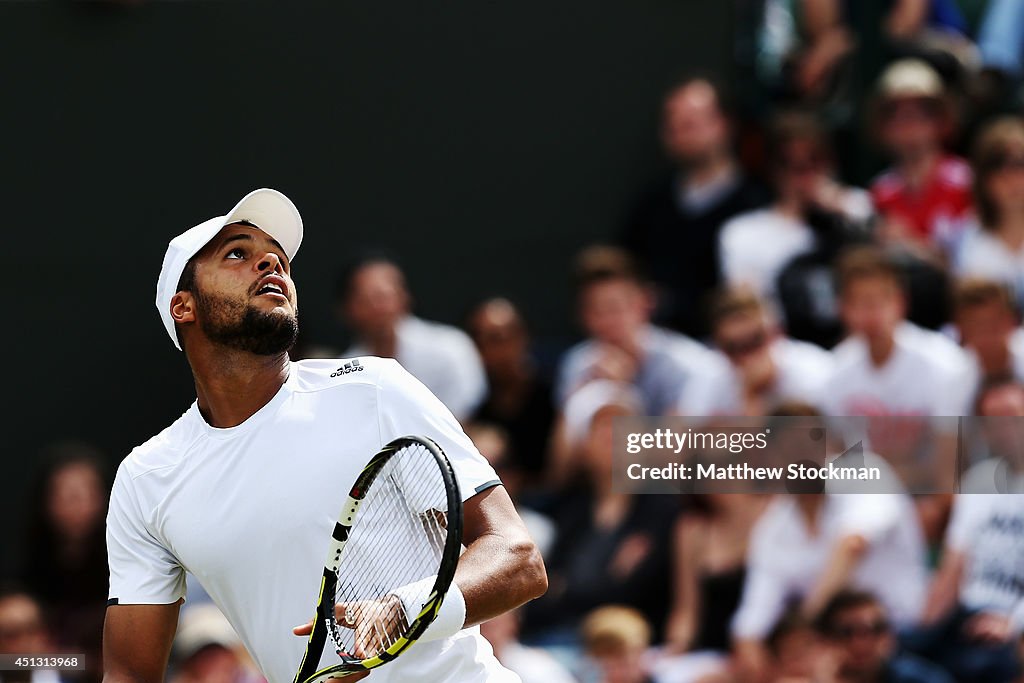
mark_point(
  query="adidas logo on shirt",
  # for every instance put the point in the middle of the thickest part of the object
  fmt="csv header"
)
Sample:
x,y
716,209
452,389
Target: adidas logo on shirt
x,y
354,366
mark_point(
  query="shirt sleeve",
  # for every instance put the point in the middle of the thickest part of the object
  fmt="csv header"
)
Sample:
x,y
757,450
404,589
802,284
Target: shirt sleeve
x,y
142,570
969,512
764,596
407,408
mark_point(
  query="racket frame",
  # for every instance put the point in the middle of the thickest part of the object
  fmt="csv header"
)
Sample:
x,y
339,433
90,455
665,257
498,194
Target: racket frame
x,y
325,621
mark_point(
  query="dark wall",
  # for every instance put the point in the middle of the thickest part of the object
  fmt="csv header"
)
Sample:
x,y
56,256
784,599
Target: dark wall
x,y
483,142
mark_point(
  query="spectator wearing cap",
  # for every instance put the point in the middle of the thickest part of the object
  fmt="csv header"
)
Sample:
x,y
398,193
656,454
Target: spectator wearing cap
x,y
810,208
863,647
924,200
988,325
975,615
519,398
673,229
607,543
994,249
207,650
376,304
614,305
765,367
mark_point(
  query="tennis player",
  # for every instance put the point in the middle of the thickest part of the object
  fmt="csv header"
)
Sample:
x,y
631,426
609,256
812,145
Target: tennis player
x,y
243,490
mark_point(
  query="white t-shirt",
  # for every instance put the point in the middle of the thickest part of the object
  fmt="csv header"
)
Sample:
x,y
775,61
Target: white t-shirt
x,y
755,246
802,370
442,357
249,510
785,560
926,375
982,254
989,530
673,364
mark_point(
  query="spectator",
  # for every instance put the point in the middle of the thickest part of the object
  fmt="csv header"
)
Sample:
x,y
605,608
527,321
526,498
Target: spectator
x,y
710,548
607,544
66,562
810,547
531,664
622,345
810,208
995,248
764,367
1000,467
207,650
925,198
797,653
376,304
976,603
896,374
23,632
519,399
987,323
494,444
673,229
616,639
864,647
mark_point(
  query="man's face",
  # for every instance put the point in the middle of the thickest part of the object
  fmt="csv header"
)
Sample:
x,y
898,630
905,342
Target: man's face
x,y
693,128
614,310
21,626
872,307
800,170
1002,417
745,340
245,297
377,299
864,639
986,328
911,126
500,337
76,503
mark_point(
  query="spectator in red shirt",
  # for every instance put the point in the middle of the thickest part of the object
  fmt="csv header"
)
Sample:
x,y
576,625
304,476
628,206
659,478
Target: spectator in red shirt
x,y
925,197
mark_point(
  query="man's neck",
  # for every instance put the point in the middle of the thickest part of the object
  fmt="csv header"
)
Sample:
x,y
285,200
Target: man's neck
x,y
232,386
880,349
917,168
383,343
713,170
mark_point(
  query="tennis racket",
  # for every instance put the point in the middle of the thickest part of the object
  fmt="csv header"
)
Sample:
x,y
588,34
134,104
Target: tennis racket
x,y
390,562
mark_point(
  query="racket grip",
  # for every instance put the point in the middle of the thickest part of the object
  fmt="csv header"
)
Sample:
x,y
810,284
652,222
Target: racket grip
x,y
450,619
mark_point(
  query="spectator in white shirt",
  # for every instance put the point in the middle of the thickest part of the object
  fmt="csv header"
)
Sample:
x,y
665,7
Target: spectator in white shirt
x,y
615,305
810,206
896,374
376,305
806,548
764,367
975,613
988,325
995,248
998,463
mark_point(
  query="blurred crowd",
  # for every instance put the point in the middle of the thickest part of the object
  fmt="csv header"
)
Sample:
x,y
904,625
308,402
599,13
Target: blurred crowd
x,y
757,279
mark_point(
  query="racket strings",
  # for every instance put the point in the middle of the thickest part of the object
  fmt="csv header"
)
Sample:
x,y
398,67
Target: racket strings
x,y
393,553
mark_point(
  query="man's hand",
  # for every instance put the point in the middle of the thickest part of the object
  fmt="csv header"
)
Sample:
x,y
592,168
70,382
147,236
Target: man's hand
x,y
988,627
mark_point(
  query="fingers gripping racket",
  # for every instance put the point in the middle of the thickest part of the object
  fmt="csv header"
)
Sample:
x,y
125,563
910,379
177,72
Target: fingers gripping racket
x,y
391,560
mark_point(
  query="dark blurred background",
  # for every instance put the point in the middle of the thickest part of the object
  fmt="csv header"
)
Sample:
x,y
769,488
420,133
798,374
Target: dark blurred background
x,y
483,143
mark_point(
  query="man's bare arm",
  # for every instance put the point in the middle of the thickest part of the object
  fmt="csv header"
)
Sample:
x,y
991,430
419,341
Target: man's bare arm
x,y
501,568
137,642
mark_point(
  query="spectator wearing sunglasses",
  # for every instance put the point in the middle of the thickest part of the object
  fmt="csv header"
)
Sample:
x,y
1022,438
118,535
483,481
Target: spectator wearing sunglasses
x,y
855,627
810,208
924,199
995,248
764,367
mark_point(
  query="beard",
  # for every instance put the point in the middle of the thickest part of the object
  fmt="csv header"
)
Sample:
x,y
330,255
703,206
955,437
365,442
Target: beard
x,y
238,325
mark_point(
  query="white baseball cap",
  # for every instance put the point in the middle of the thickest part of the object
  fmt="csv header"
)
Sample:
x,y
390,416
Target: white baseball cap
x,y
267,209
